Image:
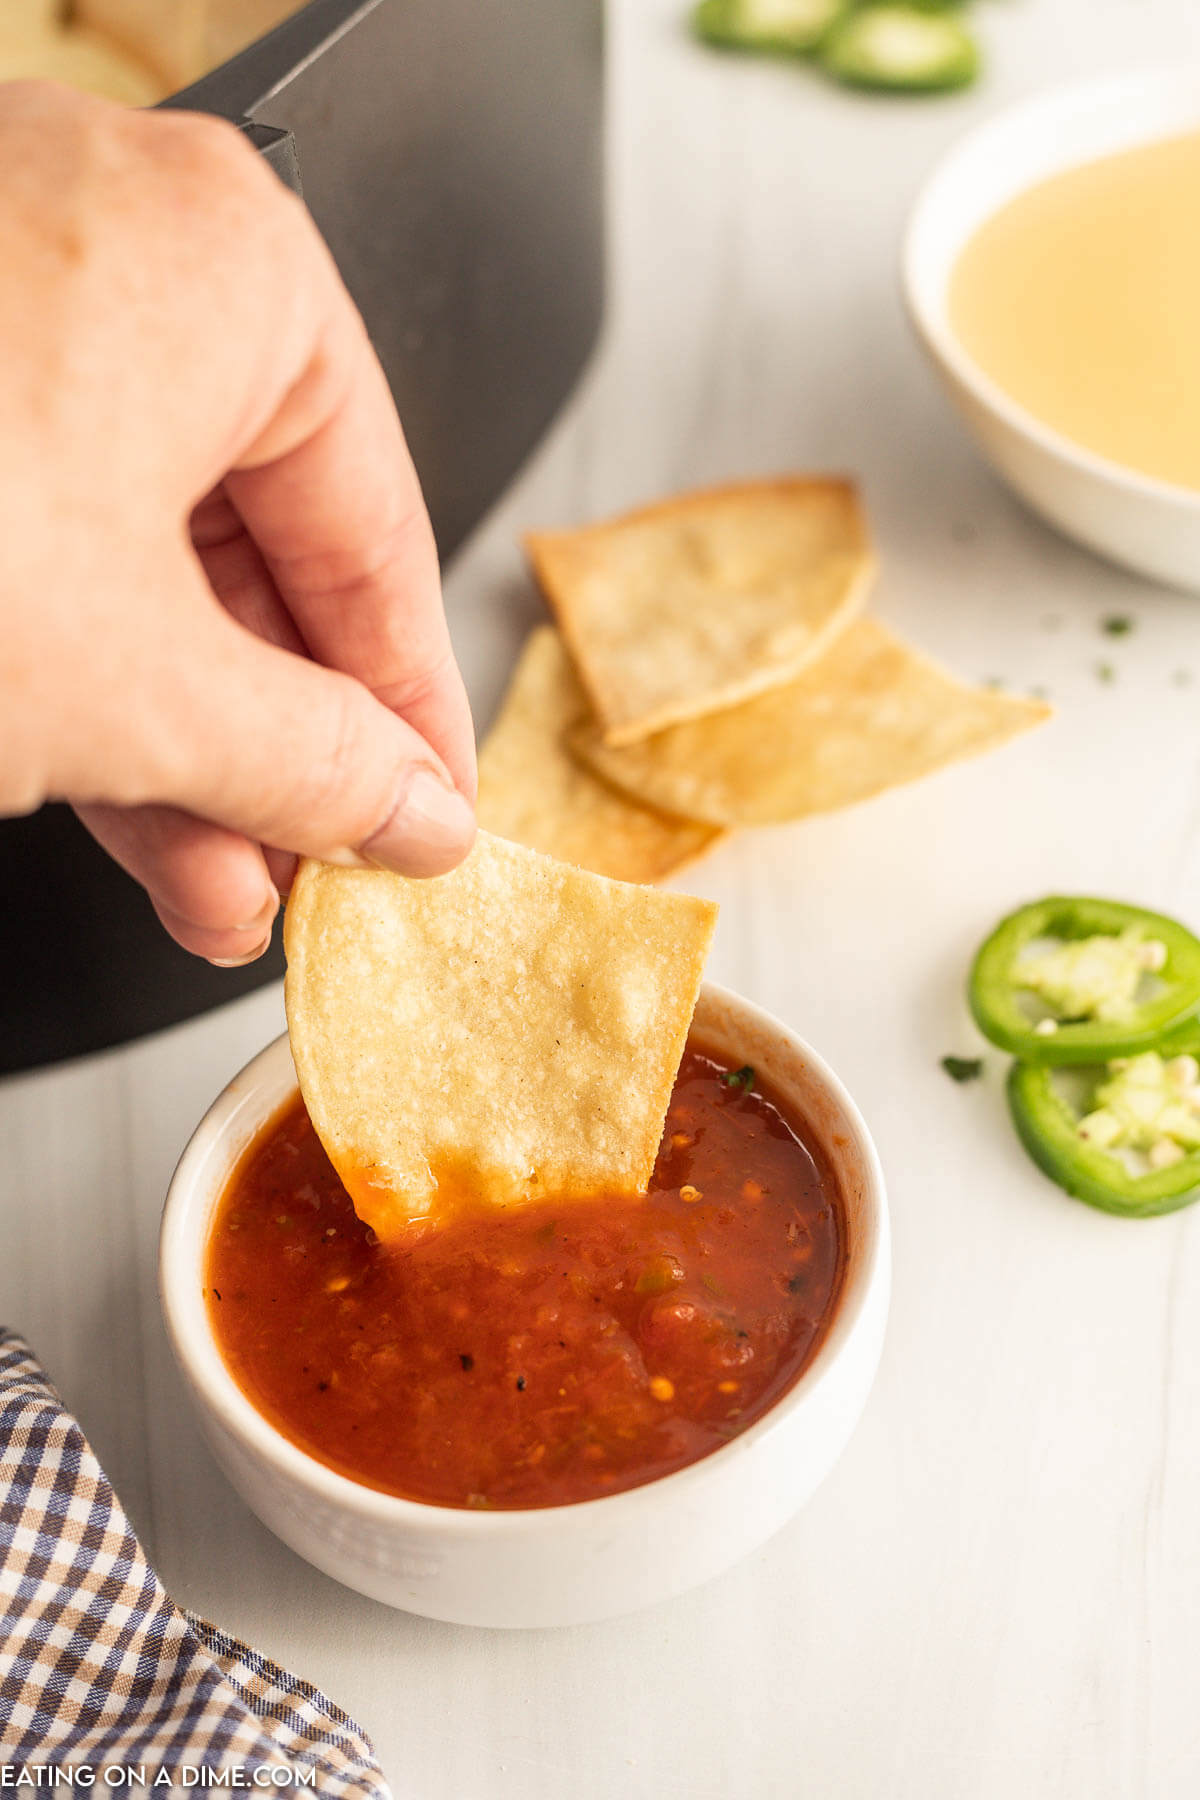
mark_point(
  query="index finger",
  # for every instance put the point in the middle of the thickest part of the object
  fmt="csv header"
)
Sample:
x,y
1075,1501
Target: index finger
x,y
331,498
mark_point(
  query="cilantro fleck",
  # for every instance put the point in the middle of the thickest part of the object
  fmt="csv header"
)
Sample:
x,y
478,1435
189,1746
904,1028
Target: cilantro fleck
x,y
1105,672
963,1068
739,1078
520,1384
467,1361
216,1293
1117,624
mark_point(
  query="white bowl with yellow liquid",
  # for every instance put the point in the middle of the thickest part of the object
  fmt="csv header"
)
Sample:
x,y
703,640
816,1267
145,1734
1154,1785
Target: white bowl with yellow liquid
x,y
1124,477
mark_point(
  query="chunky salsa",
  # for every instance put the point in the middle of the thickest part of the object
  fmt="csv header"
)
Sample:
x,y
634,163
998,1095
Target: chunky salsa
x,y
552,1353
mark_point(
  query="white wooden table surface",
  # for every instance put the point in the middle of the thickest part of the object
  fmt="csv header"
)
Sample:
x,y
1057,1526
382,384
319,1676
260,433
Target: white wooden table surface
x,y
997,1593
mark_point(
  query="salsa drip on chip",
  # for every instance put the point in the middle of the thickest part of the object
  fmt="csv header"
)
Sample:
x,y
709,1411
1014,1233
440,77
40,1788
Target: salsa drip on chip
x,y
509,1030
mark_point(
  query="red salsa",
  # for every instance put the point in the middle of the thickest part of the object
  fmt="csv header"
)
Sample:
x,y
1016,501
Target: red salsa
x,y
553,1353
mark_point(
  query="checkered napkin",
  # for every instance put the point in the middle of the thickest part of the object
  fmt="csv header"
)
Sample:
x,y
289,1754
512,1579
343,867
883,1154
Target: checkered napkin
x,y
99,1667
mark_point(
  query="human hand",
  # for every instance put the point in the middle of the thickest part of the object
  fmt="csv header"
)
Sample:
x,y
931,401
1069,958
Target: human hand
x,y
221,629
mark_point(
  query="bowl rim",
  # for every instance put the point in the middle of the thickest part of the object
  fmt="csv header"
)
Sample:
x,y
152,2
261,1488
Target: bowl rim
x,y
926,315
205,1370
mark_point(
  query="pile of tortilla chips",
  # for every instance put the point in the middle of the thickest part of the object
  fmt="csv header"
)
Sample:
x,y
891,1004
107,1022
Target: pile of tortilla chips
x,y
712,668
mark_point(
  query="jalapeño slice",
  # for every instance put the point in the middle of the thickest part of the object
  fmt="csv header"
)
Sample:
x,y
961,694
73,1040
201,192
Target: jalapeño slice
x,y
1182,1039
784,27
1116,981
1086,1165
912,48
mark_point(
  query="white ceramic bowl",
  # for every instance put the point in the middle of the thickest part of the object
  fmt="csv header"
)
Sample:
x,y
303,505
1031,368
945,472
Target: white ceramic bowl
x,y
1145,524
563,1564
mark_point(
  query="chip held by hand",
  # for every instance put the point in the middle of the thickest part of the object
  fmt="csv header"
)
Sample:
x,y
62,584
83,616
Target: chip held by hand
x,y
506,1032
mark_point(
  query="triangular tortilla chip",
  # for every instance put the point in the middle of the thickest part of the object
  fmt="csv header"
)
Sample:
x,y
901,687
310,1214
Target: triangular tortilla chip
x,y
36,44
699,602
869,715
532,790
508,1031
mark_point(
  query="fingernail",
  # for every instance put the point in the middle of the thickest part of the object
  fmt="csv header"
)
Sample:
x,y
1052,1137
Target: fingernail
x,y
239,962
346,859
429,831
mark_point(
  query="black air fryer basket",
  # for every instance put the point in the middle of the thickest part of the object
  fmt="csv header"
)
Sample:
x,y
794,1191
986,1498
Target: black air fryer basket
x,y
451,153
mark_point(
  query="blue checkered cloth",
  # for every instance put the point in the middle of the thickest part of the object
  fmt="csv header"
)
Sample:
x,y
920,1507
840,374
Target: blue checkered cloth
x,y
99,1667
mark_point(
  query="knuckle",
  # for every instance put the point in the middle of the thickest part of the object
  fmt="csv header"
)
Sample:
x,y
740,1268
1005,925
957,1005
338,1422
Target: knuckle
x,y
206,166
344,742
416,686
345,578
349,792
191,140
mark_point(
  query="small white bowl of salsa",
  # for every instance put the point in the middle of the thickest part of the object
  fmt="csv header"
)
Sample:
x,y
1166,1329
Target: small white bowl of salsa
x,y
1051,267
554,1414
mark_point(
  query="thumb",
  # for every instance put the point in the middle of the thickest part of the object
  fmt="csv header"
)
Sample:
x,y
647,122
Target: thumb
x,y
305,759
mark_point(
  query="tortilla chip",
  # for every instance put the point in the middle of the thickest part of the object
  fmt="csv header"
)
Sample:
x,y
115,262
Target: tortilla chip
x,y
36,46
498,1034
532,790
699,602
181,39
869,715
